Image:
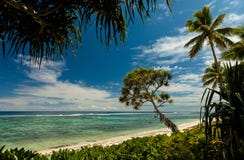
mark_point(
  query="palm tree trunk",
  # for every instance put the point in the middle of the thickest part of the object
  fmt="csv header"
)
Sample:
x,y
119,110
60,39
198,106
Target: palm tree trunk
x,y
217,65
213,52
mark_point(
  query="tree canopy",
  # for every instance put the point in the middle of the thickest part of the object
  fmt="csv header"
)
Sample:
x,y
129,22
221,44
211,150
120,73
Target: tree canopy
x,y
142,86
47,28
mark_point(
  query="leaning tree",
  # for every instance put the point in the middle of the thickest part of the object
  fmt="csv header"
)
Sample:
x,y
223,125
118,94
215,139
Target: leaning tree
x,y
144,85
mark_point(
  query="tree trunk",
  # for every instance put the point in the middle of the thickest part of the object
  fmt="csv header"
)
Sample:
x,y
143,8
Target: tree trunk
x,y
164,119
220,81
213,52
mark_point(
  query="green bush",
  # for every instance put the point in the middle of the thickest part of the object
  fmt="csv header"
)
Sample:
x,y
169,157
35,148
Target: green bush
x,y
20,154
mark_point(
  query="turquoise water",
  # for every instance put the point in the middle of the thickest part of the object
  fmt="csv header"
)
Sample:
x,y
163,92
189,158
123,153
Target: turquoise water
x,y
44,130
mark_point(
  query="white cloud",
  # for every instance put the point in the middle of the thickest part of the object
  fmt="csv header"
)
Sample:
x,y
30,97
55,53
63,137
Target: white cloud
x,y
167,45
162,68
174,69
65,91
190,78
165,50
233,20
50,93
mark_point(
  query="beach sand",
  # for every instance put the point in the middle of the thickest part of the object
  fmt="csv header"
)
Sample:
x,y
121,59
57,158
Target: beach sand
x,y
120,139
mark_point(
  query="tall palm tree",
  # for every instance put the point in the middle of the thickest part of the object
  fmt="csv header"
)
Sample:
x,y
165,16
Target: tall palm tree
x,y
211,75
236,51
208,28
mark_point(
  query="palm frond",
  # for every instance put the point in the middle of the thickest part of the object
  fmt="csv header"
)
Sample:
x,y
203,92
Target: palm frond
x,y
209,80
46,28
189,25
226,31
211,76
193,40
203,16
235,52
218,21
240,32
207,97
142,7
221,41
110,22
198,43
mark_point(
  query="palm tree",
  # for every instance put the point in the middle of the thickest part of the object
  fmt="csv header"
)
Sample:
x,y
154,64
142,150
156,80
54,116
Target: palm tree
x,y
236,51
209,31
211,75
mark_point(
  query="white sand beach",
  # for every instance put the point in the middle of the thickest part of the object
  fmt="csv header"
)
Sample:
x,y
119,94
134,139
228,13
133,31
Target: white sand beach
x,y
120,139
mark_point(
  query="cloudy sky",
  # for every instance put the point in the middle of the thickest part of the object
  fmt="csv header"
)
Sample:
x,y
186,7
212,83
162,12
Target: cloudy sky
x,y
91,79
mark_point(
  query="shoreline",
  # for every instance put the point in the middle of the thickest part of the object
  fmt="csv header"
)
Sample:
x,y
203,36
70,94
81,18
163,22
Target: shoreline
x,y
119,139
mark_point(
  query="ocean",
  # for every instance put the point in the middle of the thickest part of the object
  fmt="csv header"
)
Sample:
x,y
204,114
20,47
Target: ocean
x,y
44,130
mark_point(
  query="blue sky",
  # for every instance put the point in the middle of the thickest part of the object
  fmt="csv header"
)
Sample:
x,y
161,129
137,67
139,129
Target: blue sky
x,y
91,78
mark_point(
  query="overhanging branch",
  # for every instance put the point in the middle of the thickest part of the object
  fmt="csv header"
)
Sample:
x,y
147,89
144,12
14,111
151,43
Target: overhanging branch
x,y
21,7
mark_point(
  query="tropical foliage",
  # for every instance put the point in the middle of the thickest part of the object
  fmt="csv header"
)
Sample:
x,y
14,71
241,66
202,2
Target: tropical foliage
x,y
236,51
142,86
211,75
225,119
20,154
187,145
223,103
48,28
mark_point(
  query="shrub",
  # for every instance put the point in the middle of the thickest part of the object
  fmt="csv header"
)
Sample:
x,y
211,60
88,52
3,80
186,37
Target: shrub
x,y
20,154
